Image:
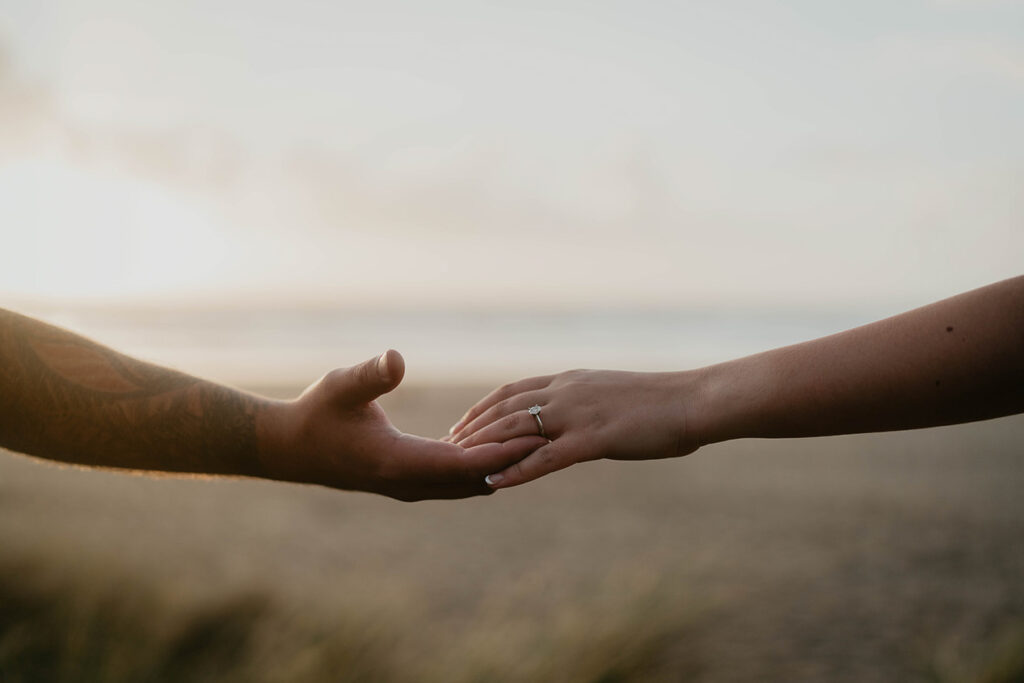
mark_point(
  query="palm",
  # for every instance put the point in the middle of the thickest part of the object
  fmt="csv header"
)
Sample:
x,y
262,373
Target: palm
x,y
343,439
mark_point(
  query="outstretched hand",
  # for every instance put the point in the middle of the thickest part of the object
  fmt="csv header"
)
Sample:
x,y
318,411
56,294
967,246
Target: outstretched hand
x,y
587,414
337,435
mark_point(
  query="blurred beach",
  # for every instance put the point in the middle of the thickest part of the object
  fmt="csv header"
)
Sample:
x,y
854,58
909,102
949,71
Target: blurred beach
x,y
887,557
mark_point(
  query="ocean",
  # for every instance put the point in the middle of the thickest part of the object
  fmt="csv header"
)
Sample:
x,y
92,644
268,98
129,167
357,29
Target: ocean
x,y
253,346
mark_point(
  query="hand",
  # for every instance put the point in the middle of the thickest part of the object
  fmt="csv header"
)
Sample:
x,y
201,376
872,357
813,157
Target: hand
x,y
587,414
337,435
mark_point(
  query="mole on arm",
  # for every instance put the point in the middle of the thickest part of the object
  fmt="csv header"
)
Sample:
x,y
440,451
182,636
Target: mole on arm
x,y
949,329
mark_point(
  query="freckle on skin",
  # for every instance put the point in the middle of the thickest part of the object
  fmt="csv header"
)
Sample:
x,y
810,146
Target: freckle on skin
x,y
938,382
949,329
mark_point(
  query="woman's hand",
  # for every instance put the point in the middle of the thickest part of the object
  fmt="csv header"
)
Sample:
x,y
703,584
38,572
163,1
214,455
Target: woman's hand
x,y
587,415
957,360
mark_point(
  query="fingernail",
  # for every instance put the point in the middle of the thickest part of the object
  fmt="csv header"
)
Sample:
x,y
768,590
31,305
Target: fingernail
x,y
382,367
451,430
493,479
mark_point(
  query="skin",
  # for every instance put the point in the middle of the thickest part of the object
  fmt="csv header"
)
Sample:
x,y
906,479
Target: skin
x,y
957,360
66,398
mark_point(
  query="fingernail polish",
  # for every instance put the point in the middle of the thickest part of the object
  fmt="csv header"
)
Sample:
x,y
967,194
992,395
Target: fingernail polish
x,y
493,479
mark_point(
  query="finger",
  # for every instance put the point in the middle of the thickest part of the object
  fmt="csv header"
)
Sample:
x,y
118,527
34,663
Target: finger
x,y
501,393
432,462
549,458
516,424
364,382
509,406
414,493
491,457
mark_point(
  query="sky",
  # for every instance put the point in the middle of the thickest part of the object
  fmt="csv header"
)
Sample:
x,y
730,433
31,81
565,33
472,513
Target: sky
x,y
527,154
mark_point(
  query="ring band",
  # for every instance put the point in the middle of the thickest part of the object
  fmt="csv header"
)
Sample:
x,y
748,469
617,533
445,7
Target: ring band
x,y
535,411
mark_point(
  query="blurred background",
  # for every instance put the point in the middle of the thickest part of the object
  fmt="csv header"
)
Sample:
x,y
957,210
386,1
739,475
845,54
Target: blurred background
x,y
477,183
257,192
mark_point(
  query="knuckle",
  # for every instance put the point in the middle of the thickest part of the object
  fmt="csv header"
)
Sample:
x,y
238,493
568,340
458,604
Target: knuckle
x,y
332,379
517,471
547,458
576,391
332,375
366,370
505,391
511,424
504,406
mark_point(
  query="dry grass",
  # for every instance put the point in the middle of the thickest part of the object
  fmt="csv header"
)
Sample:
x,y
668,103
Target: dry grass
x,y
90,628
876,558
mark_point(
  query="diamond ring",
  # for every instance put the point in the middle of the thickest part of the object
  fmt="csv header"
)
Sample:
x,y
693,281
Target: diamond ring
x,y
535,411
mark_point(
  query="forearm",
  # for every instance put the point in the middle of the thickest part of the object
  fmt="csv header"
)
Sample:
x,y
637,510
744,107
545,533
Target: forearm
x,y
66,398
957,360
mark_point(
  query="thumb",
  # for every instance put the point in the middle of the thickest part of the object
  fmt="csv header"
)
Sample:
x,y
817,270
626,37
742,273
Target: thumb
x,y
364,382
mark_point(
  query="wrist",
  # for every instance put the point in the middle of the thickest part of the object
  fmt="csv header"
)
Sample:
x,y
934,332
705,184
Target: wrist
x,y
730,400
707,411
689,418
275,439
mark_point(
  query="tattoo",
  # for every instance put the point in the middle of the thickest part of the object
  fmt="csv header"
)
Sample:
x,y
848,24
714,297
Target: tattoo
x,y
67,398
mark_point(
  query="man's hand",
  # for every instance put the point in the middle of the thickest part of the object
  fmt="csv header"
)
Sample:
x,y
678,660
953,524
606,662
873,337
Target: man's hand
x,y
337,435
67,398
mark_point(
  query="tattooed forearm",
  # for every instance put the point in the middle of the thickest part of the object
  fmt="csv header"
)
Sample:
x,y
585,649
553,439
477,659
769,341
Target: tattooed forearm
x,y
66,398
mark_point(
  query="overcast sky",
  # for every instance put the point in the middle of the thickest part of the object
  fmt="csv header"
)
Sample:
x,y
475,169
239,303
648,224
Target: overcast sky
x,y
547,153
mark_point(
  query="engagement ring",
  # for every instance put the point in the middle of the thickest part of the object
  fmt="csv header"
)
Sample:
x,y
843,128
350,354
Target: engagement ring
x,y
535,411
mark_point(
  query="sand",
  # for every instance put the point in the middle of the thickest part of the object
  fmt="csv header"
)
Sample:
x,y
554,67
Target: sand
x,y
885,557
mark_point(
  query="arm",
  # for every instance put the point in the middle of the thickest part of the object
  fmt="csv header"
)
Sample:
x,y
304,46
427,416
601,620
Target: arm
x,y
66,398
957,360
